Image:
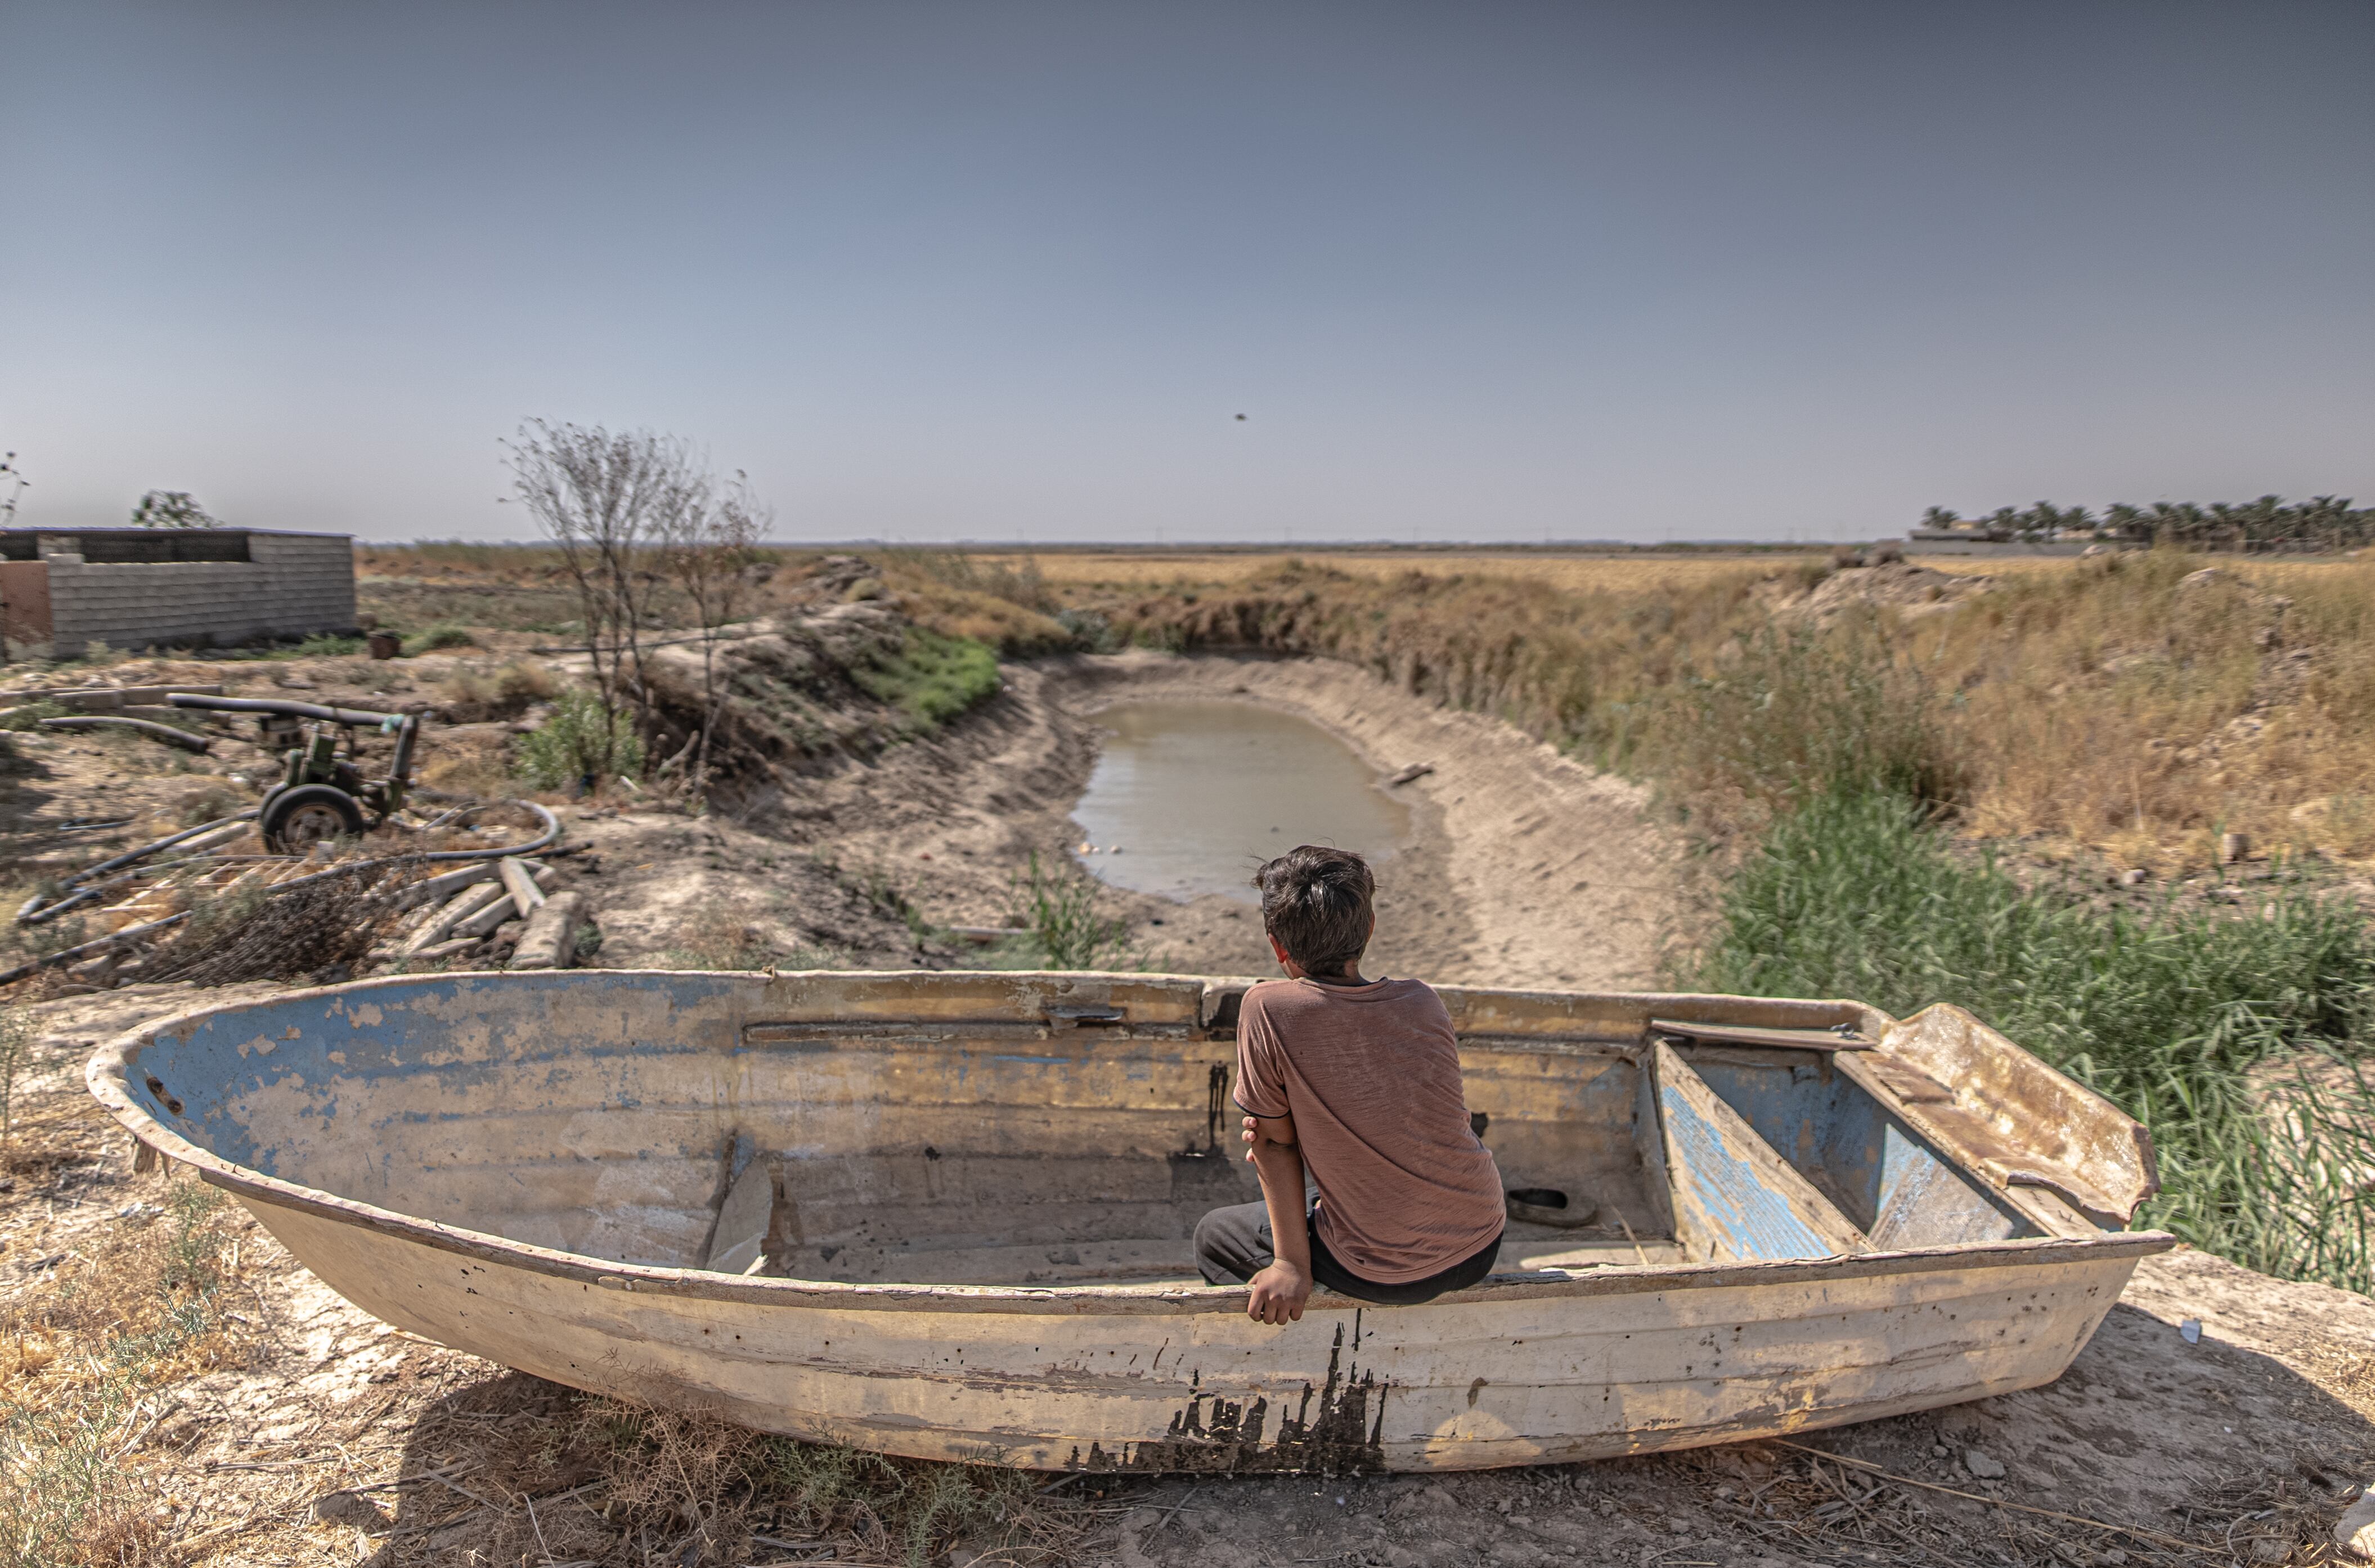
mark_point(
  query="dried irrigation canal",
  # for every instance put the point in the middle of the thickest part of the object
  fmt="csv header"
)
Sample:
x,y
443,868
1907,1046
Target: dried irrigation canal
x,y
303,1431
1189,798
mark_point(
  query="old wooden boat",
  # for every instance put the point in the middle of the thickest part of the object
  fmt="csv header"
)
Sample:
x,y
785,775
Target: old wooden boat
x,y
948,1215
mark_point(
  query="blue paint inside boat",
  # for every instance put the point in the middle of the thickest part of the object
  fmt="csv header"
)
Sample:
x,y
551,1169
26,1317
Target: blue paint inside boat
x,y
1884,1178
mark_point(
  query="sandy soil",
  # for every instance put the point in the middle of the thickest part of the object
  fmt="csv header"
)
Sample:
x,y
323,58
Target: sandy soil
x,y
1527,870
316,1444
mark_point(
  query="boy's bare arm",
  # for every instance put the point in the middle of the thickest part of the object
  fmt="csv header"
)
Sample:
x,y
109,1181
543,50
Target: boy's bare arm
x,y
1280,1290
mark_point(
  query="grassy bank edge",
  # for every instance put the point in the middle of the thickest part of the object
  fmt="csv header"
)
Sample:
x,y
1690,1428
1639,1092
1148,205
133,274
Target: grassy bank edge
x,y
2236,1031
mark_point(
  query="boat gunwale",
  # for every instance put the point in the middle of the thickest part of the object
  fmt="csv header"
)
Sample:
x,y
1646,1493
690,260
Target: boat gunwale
x,y
106,1072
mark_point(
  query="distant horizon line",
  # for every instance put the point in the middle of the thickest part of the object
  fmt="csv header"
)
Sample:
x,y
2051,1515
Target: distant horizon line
x,y
1252,547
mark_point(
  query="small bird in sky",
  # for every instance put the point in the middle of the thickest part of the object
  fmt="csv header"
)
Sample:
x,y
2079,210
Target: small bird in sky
x,y
1241,419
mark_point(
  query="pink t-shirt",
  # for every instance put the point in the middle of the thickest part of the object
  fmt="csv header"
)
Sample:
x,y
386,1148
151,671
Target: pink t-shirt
x,y
1371,1076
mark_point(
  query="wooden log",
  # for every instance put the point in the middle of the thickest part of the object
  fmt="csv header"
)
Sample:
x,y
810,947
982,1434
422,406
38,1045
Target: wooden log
x,y
110,699
434,889
470,901
500,910
525,894
549,940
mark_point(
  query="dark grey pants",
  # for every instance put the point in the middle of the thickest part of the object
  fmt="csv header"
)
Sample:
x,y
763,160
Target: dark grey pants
x,y
1234,1244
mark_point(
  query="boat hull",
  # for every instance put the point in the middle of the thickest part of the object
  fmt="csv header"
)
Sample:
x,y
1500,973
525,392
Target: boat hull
x,y
534,1168
1628,1361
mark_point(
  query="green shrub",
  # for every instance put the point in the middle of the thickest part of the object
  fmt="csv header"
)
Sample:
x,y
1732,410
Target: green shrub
x,y
29,715
15,1061
932,679
437,637
1801,713
323,646
2233,1034
579,741
1056,923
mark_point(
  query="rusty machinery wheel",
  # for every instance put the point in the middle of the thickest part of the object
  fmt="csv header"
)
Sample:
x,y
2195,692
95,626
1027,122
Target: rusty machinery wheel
x,y
294,821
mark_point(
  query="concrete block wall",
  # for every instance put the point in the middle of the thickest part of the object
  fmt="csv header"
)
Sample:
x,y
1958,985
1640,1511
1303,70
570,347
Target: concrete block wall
x,y
292,584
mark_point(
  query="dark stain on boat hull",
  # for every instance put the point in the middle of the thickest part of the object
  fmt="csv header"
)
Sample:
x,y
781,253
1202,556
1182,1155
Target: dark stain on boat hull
x,y
1211,1435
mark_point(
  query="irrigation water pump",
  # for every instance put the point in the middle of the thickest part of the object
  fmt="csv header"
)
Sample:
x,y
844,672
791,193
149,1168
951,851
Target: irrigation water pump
x,y
321,795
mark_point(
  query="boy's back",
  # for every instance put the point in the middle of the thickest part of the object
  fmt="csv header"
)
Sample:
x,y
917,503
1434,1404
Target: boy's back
x,y
1371,1076
1354,1083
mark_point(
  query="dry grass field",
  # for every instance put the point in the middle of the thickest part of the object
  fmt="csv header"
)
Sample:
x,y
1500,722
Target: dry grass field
x,y
2130,705
2125,705
1629,573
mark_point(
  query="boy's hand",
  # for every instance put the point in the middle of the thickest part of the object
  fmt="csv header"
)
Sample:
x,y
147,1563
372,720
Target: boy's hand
x,y
1279,1291
1282,1137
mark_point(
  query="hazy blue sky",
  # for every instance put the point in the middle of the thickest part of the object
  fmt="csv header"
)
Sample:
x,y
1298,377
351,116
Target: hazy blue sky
x,y
1001,271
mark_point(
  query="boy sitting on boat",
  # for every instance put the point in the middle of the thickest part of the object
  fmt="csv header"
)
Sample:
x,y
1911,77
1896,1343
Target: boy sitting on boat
x,y
1357,1082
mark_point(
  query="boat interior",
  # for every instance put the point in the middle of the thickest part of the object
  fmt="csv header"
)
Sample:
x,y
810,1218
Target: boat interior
x,y
1044,1130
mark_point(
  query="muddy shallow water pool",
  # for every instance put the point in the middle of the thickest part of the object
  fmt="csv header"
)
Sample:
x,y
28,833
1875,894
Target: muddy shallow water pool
x,y
1187,798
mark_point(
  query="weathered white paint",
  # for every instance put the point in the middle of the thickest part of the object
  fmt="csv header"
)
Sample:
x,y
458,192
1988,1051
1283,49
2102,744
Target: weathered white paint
x,y
473,1159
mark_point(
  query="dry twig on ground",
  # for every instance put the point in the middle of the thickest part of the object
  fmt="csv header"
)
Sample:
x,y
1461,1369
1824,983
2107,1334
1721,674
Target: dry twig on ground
x,y
308,932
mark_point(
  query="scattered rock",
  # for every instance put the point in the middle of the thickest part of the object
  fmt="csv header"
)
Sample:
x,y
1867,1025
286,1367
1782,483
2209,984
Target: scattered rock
x,y
1909,588
1415,770
1979,1464
2354,1531
1432,1498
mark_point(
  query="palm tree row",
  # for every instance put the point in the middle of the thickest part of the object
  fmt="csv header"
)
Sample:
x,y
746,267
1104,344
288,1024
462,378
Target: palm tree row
x,y
2269,524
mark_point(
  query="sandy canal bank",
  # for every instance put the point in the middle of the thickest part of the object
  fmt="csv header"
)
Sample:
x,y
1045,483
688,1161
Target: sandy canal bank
x,y
1523,867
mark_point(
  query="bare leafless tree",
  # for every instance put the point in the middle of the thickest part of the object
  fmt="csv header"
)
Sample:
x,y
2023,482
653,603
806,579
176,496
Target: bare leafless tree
x,y
609,500
710,549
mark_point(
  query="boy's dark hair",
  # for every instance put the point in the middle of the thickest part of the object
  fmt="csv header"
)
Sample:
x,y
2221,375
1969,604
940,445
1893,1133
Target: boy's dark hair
x,y
1316,901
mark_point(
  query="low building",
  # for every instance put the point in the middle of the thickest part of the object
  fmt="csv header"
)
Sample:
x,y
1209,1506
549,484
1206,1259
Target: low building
x,y
62,589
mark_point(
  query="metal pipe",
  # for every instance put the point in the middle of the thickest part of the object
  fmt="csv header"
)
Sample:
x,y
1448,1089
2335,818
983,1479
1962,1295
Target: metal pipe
x,y
275,705
400,769
32,914
148,727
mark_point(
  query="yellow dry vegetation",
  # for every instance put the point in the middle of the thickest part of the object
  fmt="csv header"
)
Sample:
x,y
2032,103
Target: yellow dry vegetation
x,y
1627,572
2145,704
90,1351
2138,704
2107,702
